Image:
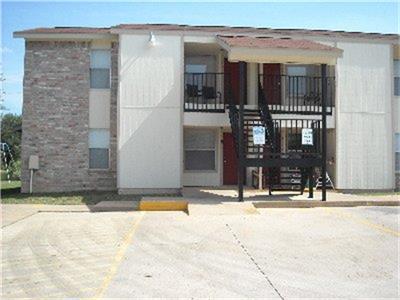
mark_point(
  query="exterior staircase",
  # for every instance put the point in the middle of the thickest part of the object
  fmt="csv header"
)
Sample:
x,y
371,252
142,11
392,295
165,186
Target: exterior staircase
x,y
278,178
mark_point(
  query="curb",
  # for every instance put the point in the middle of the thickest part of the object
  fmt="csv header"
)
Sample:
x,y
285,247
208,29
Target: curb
x,y
163,205
313,203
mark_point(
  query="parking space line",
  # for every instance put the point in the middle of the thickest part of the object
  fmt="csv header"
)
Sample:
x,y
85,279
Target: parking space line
x,y
246,251
119,256
362,221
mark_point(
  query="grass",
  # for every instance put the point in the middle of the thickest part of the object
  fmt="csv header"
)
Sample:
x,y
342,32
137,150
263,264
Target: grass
x,y
10,194
10,185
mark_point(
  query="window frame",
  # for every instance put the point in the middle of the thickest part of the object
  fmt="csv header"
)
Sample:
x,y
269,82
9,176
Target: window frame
x,y
214,149
108,51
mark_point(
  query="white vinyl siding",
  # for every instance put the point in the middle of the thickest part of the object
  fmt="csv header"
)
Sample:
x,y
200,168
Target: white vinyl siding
x,y
100,63
200,150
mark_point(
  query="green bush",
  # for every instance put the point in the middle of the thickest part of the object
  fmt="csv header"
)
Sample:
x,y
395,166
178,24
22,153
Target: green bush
x,y
14,170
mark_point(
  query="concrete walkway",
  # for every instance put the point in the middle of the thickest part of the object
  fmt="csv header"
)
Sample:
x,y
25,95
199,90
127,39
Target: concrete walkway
x,y
229,193
12,213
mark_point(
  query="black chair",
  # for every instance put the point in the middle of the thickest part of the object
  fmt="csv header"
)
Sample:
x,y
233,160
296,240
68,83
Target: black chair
x,y
208,92
192,90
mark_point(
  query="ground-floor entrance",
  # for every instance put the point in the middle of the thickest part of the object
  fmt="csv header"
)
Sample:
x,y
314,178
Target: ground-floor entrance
x,y
230,163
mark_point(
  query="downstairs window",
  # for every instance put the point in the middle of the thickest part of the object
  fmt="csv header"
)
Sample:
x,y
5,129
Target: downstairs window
x,y
200,150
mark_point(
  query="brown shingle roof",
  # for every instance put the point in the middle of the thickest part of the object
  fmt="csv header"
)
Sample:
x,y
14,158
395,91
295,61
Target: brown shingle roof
x,y
224,30
268,42
254,30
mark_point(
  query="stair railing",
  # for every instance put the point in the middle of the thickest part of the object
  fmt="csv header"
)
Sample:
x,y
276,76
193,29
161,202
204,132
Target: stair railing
x,y
267,118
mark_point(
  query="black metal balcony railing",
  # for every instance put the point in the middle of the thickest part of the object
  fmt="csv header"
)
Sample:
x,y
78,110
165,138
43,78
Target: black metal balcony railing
x,y
204,92
284,94
297,94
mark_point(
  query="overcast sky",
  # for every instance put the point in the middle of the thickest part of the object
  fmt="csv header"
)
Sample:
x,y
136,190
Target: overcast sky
x,y
367,17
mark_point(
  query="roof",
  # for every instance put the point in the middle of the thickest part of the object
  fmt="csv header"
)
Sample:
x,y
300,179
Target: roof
x,y
223,30
268,42
50,30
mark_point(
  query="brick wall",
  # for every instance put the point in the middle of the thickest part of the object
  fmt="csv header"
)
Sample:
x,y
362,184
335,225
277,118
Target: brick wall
x,y
56,118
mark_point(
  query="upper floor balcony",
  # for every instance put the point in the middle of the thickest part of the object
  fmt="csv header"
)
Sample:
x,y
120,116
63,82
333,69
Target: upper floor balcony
x,y
284,93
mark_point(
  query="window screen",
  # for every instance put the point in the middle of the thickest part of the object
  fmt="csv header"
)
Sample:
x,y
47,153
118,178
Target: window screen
x,y
100,78
99,143
100,63
200,150
98,158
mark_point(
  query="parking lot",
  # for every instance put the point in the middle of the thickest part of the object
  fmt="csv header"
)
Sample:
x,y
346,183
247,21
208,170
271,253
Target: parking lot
x,y
279,253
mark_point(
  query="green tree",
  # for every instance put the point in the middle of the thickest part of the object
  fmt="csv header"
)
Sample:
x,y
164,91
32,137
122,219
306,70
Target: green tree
x,y
11,133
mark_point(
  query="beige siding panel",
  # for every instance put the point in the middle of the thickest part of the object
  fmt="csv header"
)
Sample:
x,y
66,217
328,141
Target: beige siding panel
x,y
364,117
149,109
99,108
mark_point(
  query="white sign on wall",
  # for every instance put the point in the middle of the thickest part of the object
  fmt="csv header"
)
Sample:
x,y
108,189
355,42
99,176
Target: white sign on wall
x,y
306,136
258,135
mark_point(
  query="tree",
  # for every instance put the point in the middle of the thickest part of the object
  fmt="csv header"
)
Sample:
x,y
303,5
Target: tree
x,y
11,133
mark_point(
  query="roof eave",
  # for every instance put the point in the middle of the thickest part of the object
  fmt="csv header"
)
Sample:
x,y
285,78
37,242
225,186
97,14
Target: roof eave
x,y
63,36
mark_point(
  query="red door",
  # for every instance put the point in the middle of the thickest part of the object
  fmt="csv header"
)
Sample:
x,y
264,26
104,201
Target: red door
x,y
272,83
232,80
230,160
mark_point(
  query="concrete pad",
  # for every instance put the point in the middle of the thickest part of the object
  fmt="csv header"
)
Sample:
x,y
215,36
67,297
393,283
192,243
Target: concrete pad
x,y
104,206
174,255
62,255
288,253
318,253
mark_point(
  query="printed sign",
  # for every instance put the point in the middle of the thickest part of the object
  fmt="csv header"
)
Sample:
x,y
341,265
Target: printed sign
x,y
306,136
258,135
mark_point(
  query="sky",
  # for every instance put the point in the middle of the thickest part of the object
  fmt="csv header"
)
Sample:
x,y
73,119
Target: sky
x,y
380,17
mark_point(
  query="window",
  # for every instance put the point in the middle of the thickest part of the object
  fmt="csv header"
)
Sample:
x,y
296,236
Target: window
x,y
190,68
297,81
99,144
200,150
397,152
100,63
396,73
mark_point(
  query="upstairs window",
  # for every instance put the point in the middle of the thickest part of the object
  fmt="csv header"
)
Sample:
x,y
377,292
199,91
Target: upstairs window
x,y
100,65
396,73
191,68
297,79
